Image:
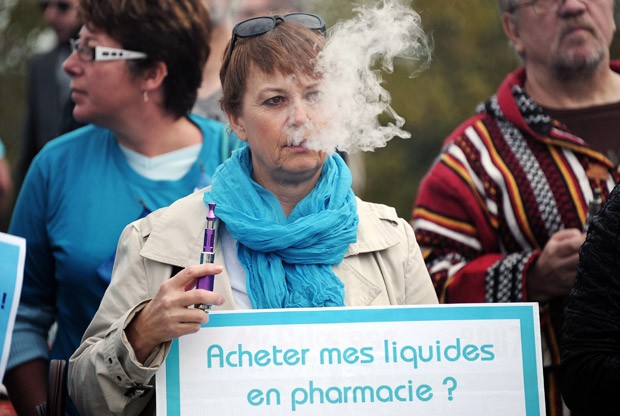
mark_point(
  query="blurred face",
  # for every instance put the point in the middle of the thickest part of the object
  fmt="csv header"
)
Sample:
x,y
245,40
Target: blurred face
x,y
103,91
62,17
218,10
571,41
278,117
251,8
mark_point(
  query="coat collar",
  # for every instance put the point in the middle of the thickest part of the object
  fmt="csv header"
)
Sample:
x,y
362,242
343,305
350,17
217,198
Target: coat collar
x,y
175,233
513,104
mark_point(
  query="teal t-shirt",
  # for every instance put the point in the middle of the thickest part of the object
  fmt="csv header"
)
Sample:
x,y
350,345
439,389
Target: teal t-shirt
x,y
77,197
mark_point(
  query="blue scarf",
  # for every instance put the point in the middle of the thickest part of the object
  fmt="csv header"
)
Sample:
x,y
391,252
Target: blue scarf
x,y
287,261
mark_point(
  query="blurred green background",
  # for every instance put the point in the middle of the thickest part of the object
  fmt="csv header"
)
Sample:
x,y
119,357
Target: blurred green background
x,y
470,58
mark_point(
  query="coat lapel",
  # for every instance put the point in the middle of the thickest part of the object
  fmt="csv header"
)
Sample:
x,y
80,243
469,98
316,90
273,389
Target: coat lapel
x,y
175,237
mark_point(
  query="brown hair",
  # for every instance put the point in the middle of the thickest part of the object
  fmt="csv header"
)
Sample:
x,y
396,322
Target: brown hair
x,y
175,32
289,48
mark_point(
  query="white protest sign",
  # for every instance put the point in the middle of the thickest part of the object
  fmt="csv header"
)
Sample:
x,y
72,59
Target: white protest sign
x,y
12,258
423,360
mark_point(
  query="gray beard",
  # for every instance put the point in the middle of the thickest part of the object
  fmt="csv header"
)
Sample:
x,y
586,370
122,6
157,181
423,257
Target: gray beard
x,y
569,68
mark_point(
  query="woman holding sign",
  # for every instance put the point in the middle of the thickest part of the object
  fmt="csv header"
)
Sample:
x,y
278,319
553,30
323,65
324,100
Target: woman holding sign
x,y
291,233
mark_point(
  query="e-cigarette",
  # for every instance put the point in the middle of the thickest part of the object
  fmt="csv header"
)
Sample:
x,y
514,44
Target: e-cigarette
x,y
207,255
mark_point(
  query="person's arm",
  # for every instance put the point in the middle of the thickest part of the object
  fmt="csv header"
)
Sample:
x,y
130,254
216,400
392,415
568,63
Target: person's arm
x,y
142,310
20,379
458,235
472,253
26,377
590,345
6,181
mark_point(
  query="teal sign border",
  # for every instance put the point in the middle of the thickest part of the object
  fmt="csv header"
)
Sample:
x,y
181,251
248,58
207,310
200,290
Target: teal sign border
x,y
522,312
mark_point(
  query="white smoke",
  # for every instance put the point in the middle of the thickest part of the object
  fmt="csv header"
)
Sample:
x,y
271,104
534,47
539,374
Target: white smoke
x,y
357,52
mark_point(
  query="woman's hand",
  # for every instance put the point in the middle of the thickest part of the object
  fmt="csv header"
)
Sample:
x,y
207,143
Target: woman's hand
x,y
170,314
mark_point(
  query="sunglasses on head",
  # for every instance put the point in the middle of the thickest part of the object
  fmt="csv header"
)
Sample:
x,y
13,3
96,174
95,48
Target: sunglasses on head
x,y
257,26
61,6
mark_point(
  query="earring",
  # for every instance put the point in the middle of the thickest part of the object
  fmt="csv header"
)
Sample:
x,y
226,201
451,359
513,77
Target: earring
x,y
145,96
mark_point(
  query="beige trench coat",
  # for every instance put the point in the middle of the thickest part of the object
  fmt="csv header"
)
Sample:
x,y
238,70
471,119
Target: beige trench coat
x,y
384,267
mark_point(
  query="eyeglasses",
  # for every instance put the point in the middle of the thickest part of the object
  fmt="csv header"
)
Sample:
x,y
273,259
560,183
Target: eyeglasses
x,y
257,26
62,6
544,6
103,53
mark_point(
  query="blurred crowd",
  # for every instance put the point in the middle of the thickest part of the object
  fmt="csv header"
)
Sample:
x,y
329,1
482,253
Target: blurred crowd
x,y
519,205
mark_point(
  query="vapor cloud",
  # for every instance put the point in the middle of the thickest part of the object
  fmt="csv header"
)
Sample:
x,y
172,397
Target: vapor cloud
x,y
358,52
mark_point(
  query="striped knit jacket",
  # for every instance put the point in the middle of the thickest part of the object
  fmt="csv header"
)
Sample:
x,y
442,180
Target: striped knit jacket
x,y
505,181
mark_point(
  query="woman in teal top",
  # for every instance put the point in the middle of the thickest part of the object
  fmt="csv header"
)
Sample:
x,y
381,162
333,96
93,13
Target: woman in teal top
x,y
134,74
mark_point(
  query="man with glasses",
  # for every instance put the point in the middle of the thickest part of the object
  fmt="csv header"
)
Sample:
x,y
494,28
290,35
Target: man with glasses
x,y
47,84
502,213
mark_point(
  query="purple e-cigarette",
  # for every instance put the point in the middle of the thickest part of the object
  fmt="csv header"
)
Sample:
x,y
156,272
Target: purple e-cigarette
x,y
207,255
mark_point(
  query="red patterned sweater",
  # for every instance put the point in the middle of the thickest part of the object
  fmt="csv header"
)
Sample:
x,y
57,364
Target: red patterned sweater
x,y
505,181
